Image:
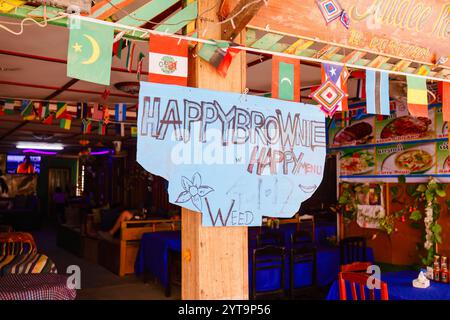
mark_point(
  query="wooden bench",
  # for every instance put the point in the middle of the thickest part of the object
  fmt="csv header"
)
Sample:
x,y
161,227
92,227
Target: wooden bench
x,y
119,256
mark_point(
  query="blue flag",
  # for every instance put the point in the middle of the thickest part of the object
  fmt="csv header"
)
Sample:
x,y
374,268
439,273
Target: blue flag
x,y
377,92
120,112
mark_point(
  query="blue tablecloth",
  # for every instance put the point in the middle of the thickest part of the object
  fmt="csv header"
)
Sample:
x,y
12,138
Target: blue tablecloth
x,y
400,288
153,254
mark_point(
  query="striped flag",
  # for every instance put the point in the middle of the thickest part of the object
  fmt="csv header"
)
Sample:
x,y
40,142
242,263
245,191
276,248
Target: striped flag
x,y
27,111
120,129
82,110
130,54
168,61
101,128
338,75
43,110
8,108
377,92
120,112
97,112
86,126
417,96
286,78
61,110
446,101
139,67
66,122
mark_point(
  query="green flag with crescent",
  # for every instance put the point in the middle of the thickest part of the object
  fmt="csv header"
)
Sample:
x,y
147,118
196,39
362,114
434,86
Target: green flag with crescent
x,y
89,52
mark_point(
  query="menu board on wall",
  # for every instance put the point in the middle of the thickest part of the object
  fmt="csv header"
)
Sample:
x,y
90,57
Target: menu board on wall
x,y
357,161
359,132
441,125
406,158
395,145
405,128
442,158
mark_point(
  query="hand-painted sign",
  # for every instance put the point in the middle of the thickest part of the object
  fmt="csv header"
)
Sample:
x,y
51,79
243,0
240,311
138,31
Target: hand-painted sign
x,y
232,157
412,29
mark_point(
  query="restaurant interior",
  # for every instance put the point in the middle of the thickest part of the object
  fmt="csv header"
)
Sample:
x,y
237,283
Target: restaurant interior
x,y
75,199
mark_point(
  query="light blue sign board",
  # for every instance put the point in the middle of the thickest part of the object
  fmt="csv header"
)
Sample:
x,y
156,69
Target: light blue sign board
x,y
233,157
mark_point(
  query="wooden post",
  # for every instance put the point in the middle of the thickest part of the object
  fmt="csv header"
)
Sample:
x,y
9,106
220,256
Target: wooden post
x,y
214,259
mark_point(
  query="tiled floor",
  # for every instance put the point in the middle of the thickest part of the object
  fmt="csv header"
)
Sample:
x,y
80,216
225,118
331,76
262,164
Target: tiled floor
x,y
97,283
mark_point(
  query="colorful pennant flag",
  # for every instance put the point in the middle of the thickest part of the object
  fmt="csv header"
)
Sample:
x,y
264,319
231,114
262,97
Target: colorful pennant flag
x,y
82,110
120,112
86,126
285,78
97,112
338,75
219,55
328,95
66,122
134,131
61,110
417,96
118,47
345,19
101,128
168,61
377,92
130,54
8,107
446,101
43,110
120,129
28,111
139,67
89,51
105,114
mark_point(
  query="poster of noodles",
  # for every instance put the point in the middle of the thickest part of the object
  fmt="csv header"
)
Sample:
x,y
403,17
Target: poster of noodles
x,y
441,125
357,161
359,132
406,158
405,128
442,157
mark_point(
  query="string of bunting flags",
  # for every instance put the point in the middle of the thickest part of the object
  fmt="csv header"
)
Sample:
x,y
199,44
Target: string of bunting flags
x,y
51,113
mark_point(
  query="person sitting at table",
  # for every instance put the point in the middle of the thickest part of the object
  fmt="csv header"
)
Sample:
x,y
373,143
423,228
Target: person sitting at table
x,y
112,220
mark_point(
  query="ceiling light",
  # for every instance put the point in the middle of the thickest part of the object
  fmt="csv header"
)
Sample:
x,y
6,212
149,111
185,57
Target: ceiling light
x,y
39,146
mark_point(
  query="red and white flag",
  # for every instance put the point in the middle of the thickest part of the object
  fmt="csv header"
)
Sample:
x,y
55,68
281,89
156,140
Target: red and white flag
x,y
168,62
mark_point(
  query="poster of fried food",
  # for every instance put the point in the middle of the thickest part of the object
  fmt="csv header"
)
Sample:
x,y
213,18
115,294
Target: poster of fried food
x,y
357,161
443,157
406,158
441,125
405,128
359,132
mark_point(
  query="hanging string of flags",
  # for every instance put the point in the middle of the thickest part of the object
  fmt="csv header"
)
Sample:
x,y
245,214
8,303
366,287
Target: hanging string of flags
x,y
47,112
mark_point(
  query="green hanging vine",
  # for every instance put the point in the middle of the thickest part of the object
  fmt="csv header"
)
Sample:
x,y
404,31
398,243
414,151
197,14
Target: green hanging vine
x,y
425,197
349,201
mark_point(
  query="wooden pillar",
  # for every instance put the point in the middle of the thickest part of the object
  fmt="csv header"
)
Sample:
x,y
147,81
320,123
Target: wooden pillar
x,y
214,259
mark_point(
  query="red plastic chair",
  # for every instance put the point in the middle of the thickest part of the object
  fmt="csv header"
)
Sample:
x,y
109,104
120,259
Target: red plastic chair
x,y
355,266
360,280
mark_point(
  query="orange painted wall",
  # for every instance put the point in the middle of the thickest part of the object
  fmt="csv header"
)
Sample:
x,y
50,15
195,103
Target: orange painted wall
x,y
400,247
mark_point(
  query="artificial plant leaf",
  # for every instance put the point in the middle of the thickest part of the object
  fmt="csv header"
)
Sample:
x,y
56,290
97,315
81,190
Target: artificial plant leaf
x,y
401,179
415,215
440,193
421,188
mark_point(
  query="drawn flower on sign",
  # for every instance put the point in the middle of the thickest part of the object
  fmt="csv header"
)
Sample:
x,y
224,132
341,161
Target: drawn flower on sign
x,y
193,190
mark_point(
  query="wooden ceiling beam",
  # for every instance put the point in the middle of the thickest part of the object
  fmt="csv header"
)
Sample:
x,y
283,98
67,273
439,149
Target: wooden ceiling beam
x,y
12,130
243,12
